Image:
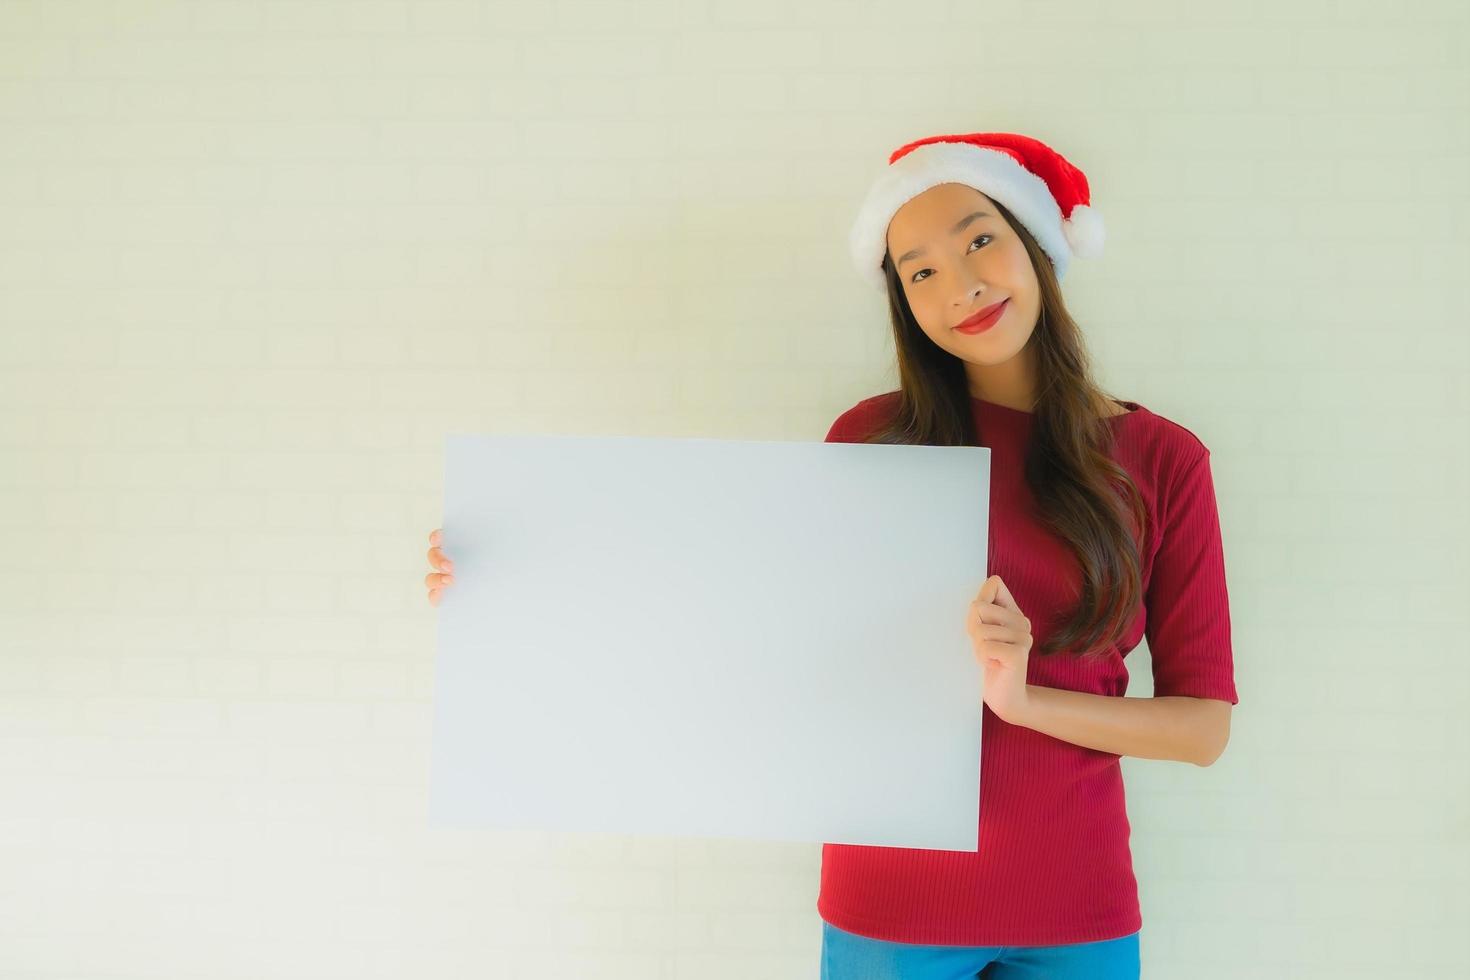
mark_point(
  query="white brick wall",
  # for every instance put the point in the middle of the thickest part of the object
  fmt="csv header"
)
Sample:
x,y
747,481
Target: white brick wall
x,y
259,256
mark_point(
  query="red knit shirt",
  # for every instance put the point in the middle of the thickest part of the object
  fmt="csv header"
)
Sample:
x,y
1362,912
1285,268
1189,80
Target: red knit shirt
x,y
1053,864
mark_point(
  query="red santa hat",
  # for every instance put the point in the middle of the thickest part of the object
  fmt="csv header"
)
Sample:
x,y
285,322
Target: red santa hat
x,y
1040,188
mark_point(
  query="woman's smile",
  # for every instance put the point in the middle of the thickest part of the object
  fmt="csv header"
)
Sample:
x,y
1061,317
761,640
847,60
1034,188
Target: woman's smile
x,y
983,320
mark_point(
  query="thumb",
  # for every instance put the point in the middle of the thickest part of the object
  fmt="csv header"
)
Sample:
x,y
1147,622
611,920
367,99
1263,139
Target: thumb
x,y
1002,595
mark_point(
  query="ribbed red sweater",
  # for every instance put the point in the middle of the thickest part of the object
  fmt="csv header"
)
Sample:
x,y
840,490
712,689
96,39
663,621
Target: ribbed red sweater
x,y
1054,864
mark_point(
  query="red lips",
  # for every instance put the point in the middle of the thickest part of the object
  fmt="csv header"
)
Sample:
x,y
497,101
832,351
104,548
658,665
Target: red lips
x,y
984,319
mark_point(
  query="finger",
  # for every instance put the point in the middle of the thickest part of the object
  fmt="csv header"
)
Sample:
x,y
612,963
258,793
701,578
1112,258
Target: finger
x,y
990,590
998,619
990,612
999,642
433,597
439,560
438,580
436,535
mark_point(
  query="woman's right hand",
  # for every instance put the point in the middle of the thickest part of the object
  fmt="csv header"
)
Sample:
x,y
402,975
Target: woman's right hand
x,y
442,579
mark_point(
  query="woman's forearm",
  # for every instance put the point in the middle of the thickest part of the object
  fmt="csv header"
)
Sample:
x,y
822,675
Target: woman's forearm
x,y
1178,728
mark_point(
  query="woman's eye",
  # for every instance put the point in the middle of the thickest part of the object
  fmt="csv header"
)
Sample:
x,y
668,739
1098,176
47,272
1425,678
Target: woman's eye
x,y
915,278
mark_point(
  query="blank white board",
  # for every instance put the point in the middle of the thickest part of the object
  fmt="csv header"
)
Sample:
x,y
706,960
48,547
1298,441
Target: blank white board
x,y
711,638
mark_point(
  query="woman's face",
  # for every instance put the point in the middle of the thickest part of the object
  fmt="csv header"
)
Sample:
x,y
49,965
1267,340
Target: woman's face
x,y
957,273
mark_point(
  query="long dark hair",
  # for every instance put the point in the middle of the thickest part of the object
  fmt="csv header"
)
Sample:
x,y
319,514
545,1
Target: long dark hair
x,y
1081,492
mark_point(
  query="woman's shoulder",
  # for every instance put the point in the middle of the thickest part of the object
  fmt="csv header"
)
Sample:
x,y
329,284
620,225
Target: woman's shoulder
x,y
865,416
1166,446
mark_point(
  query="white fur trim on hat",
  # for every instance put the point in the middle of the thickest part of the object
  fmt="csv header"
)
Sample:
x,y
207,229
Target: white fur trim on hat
x,y
1084,231
992,172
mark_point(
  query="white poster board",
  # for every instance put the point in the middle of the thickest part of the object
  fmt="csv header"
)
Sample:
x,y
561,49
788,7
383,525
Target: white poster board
x,y
711,638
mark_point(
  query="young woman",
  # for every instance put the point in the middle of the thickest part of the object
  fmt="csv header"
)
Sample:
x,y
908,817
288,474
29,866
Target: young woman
x,y
1103,530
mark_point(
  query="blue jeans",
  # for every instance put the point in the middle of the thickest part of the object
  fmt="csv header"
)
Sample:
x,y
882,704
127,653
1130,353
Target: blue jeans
x,y
848,956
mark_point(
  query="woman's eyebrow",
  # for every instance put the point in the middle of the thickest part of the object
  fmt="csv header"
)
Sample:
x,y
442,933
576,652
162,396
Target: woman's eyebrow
x,y
959,227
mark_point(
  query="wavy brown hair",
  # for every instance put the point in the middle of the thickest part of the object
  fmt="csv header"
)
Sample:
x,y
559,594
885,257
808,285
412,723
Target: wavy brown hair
x,y
1082,494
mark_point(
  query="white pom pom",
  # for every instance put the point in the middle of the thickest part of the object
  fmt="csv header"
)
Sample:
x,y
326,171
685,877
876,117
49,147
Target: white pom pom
x,y
1084,231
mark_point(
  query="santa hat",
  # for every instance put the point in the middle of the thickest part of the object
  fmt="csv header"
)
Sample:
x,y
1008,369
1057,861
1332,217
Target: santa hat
x,y
1040,188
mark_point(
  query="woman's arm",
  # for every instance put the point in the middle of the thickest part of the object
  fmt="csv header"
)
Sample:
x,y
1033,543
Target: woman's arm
x,y
1178,728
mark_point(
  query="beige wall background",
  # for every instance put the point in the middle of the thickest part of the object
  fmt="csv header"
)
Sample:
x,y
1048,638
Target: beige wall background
x,y
258,257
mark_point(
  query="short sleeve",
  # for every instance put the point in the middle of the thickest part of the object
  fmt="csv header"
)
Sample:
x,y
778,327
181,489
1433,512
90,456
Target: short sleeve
x,y
1187,619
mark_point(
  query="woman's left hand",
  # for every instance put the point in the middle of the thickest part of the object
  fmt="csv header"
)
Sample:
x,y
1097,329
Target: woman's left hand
x,y
1001,635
